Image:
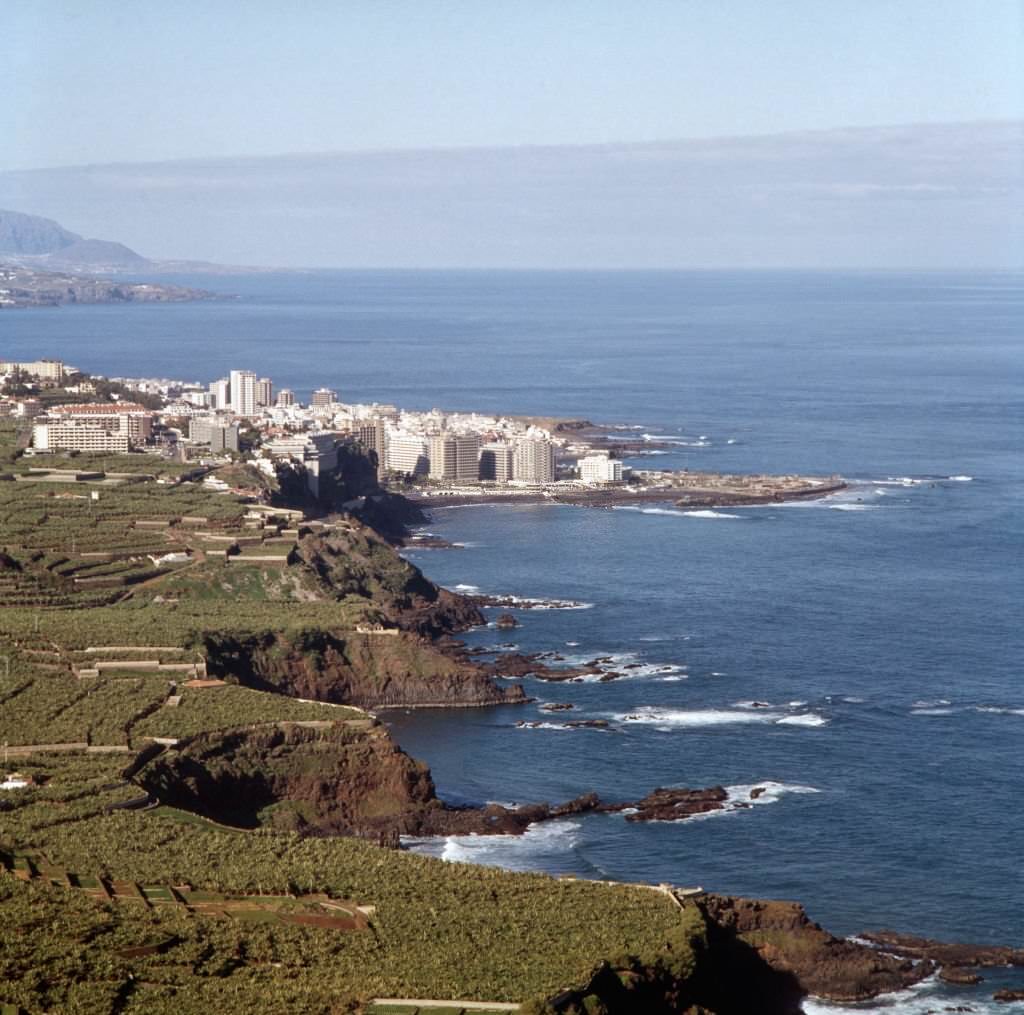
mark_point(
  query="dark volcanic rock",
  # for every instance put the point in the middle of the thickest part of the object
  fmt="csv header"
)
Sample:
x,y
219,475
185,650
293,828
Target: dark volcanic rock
x,y
783,939
515,664
674,804
959,975
346,668
1006,996
945,953
506,622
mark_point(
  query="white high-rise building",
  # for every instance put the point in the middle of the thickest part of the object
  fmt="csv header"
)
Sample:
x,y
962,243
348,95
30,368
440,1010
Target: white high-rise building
x,y
407,453
285,398
220,391
243,392
534,461
497,461
598,469
455,456
264,393
323,397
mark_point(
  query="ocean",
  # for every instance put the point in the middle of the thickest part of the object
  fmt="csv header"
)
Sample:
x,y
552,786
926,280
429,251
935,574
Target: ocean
x,y
859,656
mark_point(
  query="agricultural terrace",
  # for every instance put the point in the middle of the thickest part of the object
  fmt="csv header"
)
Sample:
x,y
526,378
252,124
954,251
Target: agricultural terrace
x,y
437,930
151,562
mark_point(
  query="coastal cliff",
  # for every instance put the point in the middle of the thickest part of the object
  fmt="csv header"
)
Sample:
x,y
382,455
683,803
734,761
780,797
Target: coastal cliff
x,y
346,668
350,779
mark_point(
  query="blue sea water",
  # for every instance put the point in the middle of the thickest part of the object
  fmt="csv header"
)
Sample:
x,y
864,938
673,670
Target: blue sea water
x,y
880,628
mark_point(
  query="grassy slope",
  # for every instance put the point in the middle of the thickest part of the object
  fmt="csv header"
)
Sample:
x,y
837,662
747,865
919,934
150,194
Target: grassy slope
x,y
440,930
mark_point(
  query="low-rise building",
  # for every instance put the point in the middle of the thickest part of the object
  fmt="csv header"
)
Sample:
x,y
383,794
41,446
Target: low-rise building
x,y
316,451
134,419
600,469
41,369
93,436
218,432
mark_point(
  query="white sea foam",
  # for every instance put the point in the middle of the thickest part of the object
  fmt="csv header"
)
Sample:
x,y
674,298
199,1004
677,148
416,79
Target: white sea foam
x,y
572,644
852,507
805,719
923,998
539,847
931,711
628,665
474,589
672,718
851,700
534,603
673,513
924,703
739,799
898,481
960,479
997,710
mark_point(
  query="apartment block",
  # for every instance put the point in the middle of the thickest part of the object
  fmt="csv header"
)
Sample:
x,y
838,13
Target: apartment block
x,y
534,461
43,369
497,461
317,452
93,436
454,456
323,397
220,392
134,419
218,433
407,454
243,392
600,469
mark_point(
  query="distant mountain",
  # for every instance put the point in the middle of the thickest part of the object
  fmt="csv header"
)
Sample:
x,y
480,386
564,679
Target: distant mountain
x,y
43,243
30,234
96,253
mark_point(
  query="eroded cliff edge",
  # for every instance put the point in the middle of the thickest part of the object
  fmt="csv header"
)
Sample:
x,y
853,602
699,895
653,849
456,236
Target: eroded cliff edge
x,y
350,778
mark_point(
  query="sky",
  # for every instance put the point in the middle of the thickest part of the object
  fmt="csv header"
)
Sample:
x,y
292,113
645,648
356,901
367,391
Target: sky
x,y
90,81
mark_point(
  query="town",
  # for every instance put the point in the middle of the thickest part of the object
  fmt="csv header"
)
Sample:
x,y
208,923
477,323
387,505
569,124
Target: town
x,y
426,454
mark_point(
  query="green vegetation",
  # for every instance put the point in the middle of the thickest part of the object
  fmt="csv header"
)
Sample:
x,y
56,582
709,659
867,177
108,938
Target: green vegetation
x,y
75,575
215,708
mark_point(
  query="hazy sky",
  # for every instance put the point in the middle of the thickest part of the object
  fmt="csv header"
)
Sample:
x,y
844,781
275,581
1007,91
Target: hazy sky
x,y
90,81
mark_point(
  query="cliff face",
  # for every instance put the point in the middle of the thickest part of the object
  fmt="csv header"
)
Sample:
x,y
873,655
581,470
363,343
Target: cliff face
x,y
777,943
356,561
369,671
337,779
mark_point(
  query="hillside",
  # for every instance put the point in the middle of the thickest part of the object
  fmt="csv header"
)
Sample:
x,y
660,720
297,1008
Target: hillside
x,y
40,242
32,234
191,777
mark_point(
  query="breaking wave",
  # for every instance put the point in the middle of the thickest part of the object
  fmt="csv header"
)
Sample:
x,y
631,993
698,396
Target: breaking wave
x,y
541,846
673,512
669,719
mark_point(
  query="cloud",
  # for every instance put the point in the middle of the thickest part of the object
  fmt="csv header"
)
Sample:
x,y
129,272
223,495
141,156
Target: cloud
x,y
926,195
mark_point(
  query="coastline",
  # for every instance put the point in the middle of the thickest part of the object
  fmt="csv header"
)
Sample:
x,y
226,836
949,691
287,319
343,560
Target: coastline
x,y
610,497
